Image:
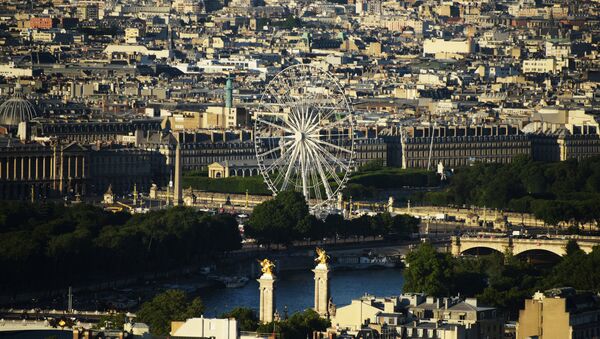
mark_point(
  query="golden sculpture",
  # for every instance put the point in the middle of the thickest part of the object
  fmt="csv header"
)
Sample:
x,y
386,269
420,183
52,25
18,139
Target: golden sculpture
x,y
266,266
322,256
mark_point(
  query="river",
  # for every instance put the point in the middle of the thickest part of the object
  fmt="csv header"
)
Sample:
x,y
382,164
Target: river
x,y
295,289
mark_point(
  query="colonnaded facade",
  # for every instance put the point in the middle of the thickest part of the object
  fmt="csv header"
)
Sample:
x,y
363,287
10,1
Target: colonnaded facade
x,y
39,170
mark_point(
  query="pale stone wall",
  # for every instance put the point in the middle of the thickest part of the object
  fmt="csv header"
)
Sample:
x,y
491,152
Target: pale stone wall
x,y
267,298
321,289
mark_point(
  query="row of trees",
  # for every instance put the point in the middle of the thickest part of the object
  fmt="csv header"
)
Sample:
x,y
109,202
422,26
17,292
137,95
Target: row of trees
x,y
566,191
54,245
498,280
286,218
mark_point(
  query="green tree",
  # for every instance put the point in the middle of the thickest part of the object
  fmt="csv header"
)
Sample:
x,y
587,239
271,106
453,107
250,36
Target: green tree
x,y
402,225
171,305
576,269
428,271
510,282
300,325
276,220
246,318
572,247
113,321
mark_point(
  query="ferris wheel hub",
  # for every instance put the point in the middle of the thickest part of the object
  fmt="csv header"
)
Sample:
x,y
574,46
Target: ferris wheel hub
x,y
299,136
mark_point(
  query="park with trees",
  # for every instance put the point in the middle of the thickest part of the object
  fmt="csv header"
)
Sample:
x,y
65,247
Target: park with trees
x,y
559,193
51,246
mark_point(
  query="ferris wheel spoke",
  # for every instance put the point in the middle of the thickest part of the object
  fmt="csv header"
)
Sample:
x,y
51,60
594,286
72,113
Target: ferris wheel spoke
x,y
322,142
320,156
290,166
283,99
330,168
329,136
321,172
287,136
270,108
294,117
312,121
342,121
325,107
279,160
288,91
275,149
303,171
333,158
332,111
280,173
274,125
316,184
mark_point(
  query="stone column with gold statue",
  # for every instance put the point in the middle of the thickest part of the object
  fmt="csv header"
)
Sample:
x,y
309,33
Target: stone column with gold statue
x,y
266,286
321,271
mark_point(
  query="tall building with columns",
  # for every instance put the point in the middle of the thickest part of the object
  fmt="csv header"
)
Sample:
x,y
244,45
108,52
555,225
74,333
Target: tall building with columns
x,y
55,169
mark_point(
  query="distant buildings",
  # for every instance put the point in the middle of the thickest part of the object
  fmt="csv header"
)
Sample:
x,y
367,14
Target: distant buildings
x,y
445,49
101,72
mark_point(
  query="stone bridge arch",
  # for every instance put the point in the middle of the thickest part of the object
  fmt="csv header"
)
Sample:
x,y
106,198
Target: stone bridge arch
x,y
461,245
522,246
518,246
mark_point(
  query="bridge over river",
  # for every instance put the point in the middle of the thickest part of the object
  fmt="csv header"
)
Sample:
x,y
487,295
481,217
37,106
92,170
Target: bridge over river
x,y
520,246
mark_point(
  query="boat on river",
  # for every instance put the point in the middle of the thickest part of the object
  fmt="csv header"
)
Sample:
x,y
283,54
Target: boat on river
x,y
230,282
365,262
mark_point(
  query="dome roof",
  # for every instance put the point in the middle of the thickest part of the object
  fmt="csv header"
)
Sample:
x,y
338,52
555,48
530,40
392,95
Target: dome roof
x,y
15,110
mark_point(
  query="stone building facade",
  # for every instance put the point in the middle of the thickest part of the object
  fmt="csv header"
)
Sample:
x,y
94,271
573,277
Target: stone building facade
x,y
44,170
87,131
560,313
564,146
456,146
463,151
201,149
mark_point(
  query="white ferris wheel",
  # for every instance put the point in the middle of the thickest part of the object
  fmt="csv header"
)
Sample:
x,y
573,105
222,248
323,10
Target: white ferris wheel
x,y
304,134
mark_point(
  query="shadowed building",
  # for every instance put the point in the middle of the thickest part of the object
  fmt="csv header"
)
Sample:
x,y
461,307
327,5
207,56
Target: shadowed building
x,y
57,169
456,146
87,130
560,313
201,149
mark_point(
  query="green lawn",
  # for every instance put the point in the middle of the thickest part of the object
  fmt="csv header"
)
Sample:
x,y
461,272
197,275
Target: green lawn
x,y
363,183
254,184
394,177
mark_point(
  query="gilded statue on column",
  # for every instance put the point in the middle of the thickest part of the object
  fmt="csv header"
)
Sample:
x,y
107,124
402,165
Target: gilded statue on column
x,y
266,266
322,256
